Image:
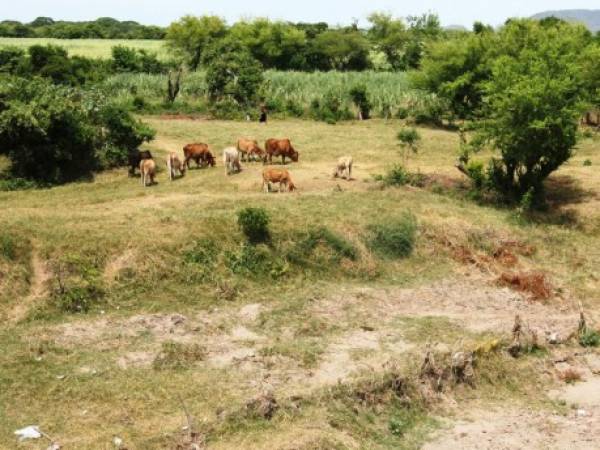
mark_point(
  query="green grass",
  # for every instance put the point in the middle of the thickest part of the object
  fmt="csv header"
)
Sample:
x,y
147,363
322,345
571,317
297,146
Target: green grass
x,y
90,48
163,250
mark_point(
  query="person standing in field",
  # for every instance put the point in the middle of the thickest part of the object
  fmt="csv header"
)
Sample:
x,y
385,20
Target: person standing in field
x,y
263,114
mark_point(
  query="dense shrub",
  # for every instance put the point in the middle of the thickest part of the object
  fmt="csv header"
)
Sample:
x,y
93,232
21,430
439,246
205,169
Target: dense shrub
x,y
256,260
394,238
254,223
330,108
79,298
12,60
54,134
307,244
129,59
233,73
360,98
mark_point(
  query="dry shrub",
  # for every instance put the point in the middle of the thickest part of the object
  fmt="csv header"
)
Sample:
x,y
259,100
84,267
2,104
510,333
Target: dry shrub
x,y
263,406
570,375
505,257
534,283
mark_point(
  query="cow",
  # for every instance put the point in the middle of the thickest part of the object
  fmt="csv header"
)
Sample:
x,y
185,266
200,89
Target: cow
x,y
148,171
281,176
199,153
280,147
343,168
231,159
174,165
249,149
135,157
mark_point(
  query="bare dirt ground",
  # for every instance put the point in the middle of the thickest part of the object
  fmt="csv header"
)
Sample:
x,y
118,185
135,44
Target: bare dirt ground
x,y
40,275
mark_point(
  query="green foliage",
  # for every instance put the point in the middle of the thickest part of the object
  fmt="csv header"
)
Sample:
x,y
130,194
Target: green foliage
x,y
587,163
178,356
103,28
46,132
394,238
341,50
410,140
233,73
123,133
360,98
589,338
254,223
532,106
257,261
12,60
8,247
306,245
330,108
190,36
129,59
397,175
79,298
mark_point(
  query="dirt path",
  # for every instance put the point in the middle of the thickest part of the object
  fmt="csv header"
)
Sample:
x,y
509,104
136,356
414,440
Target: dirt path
x,y
37,291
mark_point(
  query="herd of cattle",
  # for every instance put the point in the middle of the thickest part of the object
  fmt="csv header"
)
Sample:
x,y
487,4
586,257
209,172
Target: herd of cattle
x,y
246,150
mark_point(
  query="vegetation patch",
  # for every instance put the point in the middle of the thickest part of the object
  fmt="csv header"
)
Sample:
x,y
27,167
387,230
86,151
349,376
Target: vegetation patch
x,y
394,238
178,356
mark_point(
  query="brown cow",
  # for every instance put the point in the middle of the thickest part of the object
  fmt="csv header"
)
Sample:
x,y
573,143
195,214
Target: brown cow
x,y
199,153
281,176
249,149
280,147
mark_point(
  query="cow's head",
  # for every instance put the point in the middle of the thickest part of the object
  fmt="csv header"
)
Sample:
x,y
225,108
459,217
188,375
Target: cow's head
x,y
295,155
211,160
291,186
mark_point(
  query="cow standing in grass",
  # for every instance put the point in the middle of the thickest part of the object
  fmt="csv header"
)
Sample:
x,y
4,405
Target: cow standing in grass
x,y
199,153
135,157
344,168
280,147
249,149
148,171
281,176
231,159
175,166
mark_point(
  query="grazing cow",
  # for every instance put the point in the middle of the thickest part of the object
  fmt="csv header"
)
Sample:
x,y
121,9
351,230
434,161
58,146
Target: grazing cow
x,y
343,168
199,153
148,171
249,149
281,176
231,159
174,165
280,147
135,157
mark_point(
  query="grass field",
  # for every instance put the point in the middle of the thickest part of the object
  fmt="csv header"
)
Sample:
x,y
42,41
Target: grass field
x,y
91,48
183,317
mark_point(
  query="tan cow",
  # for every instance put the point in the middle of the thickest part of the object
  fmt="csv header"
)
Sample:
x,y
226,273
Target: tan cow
x,y
344,168
249,150
281,176
175,165
148,171
280,147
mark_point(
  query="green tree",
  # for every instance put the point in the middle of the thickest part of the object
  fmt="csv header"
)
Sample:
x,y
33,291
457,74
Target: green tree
x,y
342,50
390,37
232,73
533,102
190,36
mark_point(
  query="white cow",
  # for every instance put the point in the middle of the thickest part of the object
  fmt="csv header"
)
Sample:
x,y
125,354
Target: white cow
x,y
231,159
344,167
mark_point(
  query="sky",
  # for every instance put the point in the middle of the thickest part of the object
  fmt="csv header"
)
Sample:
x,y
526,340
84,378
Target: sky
x,y
163,12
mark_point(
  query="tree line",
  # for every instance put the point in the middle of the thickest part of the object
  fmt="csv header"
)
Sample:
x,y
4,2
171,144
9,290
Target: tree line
x,y
102,28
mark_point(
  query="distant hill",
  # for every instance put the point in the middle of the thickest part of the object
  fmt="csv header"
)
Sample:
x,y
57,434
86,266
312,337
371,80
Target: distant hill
x,y
589,17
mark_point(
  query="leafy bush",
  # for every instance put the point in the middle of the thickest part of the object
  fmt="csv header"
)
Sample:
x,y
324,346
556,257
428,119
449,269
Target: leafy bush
x,y
233,73
307,244
394,238
587,163
330,108
397,175
254,223
589,338
360,98
12,59
46,132
255,260
79,298
409,140
129,59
